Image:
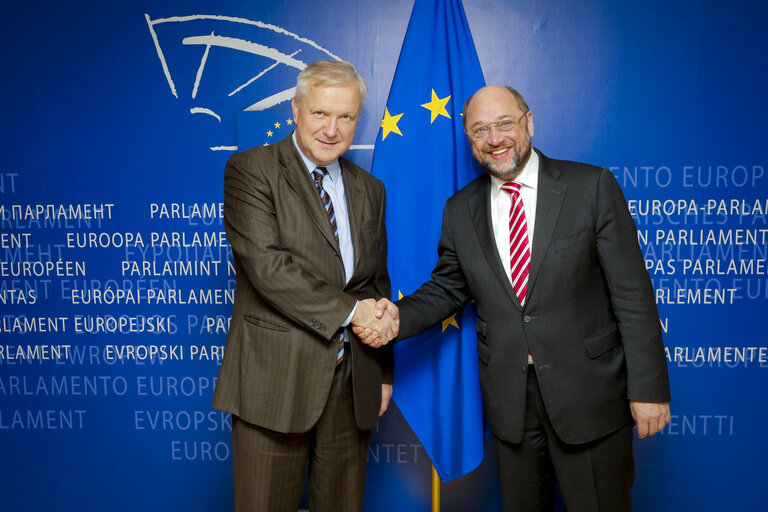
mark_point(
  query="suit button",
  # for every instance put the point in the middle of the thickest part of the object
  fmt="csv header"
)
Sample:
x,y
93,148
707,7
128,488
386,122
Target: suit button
x,y
527,319
524,368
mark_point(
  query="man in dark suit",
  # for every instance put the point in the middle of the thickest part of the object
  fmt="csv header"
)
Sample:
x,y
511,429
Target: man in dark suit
x,y
569,339
307,233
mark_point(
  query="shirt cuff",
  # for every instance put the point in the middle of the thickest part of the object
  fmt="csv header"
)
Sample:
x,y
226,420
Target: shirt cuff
x,y
349,317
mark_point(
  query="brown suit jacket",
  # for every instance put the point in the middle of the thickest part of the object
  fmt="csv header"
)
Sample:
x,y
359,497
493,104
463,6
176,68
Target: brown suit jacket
x,y
290,297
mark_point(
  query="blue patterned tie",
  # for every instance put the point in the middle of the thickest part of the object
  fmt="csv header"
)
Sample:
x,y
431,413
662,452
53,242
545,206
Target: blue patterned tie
x,y
318,175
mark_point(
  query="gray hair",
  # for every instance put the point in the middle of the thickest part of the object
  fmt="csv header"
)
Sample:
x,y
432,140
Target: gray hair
x,y
329,72
522,105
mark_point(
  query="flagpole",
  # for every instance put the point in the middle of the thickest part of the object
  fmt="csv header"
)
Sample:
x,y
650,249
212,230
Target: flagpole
x,y
435,490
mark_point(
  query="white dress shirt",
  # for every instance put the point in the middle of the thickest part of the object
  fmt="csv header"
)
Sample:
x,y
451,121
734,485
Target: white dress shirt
x,y
501,202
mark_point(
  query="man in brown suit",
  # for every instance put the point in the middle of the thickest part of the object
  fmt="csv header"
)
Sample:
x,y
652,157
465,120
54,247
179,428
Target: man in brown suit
x,y
307,233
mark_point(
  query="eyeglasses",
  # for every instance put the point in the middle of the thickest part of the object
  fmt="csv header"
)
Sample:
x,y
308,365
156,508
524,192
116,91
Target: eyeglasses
x,y
505,125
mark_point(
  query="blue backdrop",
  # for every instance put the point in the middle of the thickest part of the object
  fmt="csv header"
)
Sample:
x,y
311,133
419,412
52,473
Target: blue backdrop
x,y
116,280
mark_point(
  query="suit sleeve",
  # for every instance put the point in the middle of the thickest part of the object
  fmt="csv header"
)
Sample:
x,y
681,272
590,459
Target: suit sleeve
x,y
443,295
383,287
254,234
631,294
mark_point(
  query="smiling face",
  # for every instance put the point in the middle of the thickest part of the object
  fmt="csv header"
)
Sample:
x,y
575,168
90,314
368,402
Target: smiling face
x,y
502,153
326,119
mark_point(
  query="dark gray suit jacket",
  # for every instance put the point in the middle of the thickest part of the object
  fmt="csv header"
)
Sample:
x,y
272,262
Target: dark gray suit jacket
x,y
590,319
290,297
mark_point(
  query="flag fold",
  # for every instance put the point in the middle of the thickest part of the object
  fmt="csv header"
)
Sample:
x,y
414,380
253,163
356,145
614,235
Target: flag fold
x,y
423,157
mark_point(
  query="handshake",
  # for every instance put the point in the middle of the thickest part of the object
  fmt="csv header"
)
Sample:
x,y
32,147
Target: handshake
x,y
376,323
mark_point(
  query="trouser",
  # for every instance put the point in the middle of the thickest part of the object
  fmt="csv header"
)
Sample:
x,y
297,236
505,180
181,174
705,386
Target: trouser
x,y
594,476
269,467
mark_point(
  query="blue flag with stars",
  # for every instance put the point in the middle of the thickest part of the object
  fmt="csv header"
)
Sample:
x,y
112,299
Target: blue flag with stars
x,y
423,157
262,127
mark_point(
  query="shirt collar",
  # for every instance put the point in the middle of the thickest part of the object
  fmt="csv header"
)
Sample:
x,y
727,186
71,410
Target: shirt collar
x,y
528,177
334,169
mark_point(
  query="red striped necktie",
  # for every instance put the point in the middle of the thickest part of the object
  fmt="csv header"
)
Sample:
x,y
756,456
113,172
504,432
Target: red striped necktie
x,y
519,246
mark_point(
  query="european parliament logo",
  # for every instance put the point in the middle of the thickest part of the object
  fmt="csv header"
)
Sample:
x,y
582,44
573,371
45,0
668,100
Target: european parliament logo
x,y
219,66
264,127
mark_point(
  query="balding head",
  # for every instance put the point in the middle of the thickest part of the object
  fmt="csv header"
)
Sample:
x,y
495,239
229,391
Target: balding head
x,y
495,92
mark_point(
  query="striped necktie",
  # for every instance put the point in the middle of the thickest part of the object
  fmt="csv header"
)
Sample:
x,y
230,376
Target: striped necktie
x,y
519,247
318,175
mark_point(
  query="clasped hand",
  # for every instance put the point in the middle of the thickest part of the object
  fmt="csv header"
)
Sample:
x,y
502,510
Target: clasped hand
x,y
376,323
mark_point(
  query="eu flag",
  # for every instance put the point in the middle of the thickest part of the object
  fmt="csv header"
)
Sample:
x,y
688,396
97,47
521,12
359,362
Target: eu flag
x,y
423,157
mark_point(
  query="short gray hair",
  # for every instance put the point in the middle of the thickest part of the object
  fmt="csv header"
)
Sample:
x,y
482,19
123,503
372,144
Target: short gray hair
x,y
329,72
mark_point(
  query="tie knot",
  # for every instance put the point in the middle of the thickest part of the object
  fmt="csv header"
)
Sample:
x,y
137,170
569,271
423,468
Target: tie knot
x,y
319,173
511,187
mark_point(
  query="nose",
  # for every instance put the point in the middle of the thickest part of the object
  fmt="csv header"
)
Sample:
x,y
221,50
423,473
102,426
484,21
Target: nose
x,y
494,135
331,127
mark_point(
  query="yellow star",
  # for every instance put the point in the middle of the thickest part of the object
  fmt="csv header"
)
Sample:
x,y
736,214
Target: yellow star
x,y
269,133
451,320
389,124
437,106
277,124
399,295
265,144
289,122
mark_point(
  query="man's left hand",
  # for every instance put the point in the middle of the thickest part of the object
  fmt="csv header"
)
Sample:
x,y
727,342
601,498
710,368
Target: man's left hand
x,y
651,417
386,395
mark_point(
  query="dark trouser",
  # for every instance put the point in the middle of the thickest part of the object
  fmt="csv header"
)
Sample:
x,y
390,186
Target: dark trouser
x,y
595,476
269,467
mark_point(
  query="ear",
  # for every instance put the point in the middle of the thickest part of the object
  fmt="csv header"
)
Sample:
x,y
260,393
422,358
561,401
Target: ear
x,y
529,123
294,108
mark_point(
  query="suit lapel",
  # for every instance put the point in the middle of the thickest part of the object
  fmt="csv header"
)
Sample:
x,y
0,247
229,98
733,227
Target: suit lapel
x,y
480,213
549,200
353,188
298,178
